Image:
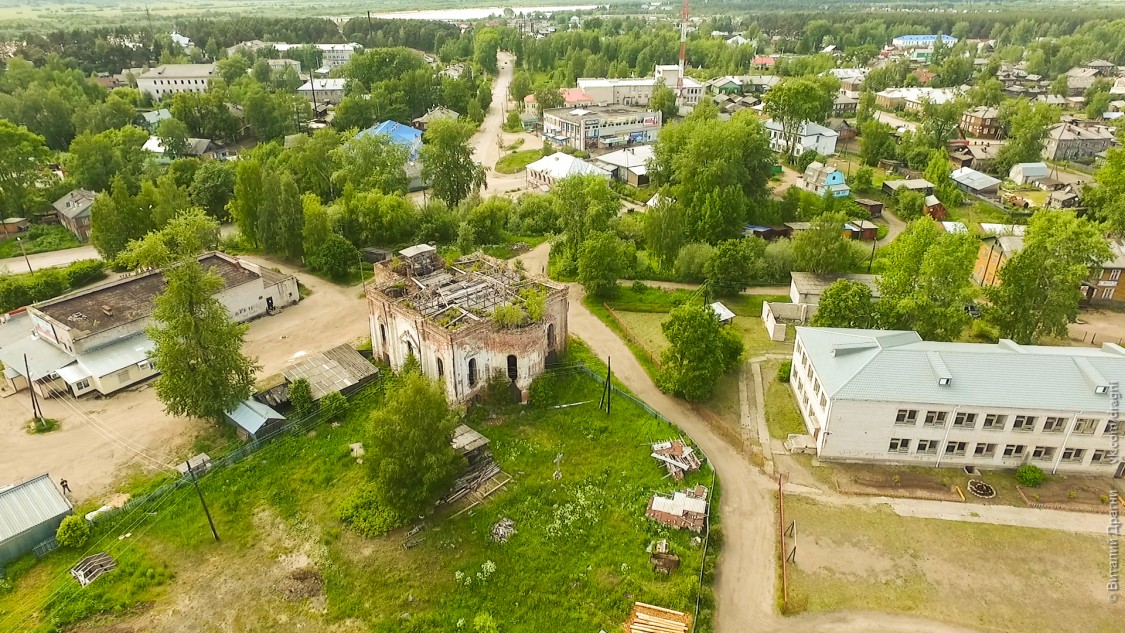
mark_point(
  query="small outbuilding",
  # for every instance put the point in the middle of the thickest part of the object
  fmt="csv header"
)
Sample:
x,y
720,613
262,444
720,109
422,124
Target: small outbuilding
x,y
915,184
685,509
254,420
722,312
338,370
973,181
1028,173
14,226
861,230
935,209
30,513
874,208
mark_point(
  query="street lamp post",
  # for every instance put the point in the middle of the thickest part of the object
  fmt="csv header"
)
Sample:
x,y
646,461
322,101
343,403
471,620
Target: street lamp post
x,y
19,240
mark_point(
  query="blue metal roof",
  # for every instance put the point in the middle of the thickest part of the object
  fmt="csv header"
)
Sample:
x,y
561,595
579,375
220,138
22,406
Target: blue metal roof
x,y
29,504
400,134
251,415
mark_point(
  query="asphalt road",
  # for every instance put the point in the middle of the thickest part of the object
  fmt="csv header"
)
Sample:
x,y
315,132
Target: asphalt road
x,y
52,259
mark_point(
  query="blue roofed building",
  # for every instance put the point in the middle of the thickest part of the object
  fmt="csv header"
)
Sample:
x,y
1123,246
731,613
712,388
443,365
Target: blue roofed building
x,y
400,134
921,41
30,512
254,420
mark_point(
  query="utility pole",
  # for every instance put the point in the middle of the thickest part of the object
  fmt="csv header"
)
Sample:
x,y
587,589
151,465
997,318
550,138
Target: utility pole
x,y
195,482
871,262
35,410
19,240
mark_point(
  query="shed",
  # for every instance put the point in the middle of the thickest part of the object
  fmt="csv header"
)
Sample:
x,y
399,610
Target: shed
x,y
30,513
935,209
724,313
339,370
766,232
469,444
373,255
973,181
915,184
253,420
1028,173
806,288
861,230
874,208
13,226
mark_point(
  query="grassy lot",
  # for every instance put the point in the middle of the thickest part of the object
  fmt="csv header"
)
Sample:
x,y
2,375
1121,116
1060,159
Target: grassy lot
x,y
285,561
782,414
991,577
516,161
39,238
645,326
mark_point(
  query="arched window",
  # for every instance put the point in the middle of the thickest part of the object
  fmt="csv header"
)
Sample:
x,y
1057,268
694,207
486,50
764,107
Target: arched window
x,y
550,336
440,368
409,348
472,372
513,367
383,334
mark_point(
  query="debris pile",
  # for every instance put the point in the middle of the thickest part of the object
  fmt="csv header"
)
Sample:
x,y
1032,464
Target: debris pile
x,y
663,561
685,509
647,618
503,530
677,457
482,466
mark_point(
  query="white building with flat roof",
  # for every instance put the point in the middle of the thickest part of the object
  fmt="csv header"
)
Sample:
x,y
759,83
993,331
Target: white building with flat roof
x,y
329,90
888,396
810,136
169,79
332,55
601,126
637,91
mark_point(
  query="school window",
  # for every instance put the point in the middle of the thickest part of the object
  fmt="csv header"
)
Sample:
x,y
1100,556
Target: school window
x,y
984,450
1107,293
994,422
1054,425
899,445
1085,426
1099,457
1015,450
906,417
965,420
1043,452
955,448
1023,423
1073,454
823,400
927,446
1115,274
936,418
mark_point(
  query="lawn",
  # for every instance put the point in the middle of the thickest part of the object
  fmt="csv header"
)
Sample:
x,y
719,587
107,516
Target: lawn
x,y
991,577
285,561
39,238
782,415
516,161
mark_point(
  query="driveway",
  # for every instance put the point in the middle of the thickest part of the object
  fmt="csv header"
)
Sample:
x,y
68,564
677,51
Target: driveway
x,y
746,576
99,440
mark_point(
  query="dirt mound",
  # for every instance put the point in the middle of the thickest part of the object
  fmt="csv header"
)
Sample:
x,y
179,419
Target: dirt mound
x,y
302,583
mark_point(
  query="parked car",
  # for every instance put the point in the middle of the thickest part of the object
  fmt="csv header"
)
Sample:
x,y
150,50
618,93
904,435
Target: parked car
x,y
972,311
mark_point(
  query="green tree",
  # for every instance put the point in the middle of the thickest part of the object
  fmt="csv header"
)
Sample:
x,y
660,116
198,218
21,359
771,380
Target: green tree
x,y
925,283
664,232
733,265
940,121
520,87
232,68
197,347
909,205
95,159
73,532
354,112
335,257
586,205
876,142
1107,198
311,161
700,350
599,264
862,180
115,112
413,434
846,304
117,218
1026,125
212,187
486,44
1098,105
173,135
988,92
664,100
799,99
371,162
187,235
823,249
249,198
1039,290
300,398
447,161
23,156
865,111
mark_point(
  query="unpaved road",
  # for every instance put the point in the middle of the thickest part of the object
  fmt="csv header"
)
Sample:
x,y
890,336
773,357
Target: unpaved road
x,y
99,439
488,141
745,581
52,259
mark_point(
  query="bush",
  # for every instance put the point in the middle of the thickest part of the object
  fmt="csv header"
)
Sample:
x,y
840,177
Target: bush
x,y
333,406
300,396
806,158
74,531
783,371
1030,476
691,262
543,391
363,513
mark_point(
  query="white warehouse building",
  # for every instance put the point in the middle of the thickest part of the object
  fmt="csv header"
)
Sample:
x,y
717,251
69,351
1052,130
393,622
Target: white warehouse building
x,y
888,396
170,79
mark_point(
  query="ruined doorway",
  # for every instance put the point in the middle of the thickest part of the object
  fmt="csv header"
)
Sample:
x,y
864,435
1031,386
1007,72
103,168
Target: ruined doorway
x,y
513,367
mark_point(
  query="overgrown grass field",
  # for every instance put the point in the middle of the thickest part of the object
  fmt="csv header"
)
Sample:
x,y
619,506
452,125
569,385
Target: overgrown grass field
x,y
576,562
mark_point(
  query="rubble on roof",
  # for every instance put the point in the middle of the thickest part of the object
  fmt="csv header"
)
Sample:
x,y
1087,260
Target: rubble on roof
x,y
685,509
677,457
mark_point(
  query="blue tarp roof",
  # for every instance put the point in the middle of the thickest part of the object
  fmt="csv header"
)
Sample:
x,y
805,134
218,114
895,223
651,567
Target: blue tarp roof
x,y
401,134
251,415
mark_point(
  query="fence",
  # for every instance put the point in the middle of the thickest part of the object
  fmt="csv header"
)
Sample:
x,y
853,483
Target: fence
x,y
633,338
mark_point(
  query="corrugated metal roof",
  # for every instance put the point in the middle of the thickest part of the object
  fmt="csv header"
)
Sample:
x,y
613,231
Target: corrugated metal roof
x,y
679,504
332,371
896,366
251,415
117,355
973,179
26,505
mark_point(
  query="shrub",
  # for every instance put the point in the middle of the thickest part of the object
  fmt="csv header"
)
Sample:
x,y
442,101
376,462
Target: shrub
x,y
691,261
1030,476
543,391
783,371
363,513
74,531
333,406
300,396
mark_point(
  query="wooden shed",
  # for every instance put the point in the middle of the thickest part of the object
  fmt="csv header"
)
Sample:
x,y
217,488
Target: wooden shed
x,y
874,208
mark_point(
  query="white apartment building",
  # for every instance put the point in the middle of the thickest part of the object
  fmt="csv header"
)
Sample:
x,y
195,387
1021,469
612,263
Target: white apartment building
x,y
888,396
332,55
811,136
169,79
330,90
637,91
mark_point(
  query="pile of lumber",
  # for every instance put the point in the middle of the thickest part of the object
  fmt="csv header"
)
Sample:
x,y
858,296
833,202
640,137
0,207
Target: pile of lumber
x,y
647,618
477,474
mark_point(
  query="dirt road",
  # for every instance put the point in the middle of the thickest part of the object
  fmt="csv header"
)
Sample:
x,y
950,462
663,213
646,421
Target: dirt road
x,y
99,439
489,141
746,576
